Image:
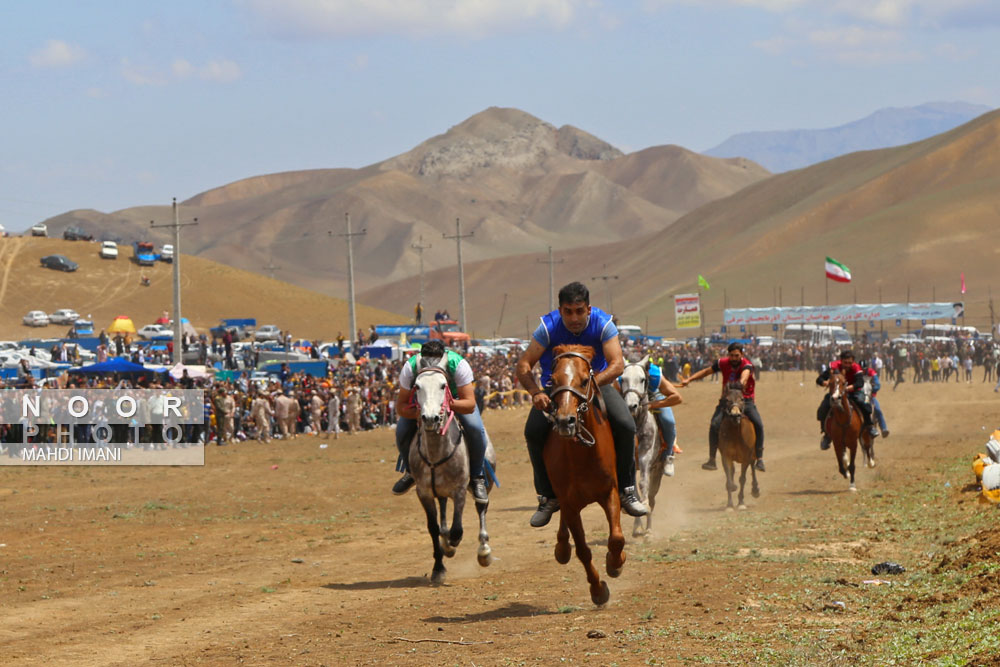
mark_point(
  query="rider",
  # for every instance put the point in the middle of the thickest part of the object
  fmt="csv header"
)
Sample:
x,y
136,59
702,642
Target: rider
x,y
734,368
576,322
856,379
462,384
876,408
662,396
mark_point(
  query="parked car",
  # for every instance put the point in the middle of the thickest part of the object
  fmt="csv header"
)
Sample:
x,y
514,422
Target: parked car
x,y
36,318
59,263
167,253
82,328
151,331
109,250
64,316
76,234
268,332
40,229
906,339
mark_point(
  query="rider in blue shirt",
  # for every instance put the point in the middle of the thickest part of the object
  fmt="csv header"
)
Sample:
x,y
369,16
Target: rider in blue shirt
x,y
663,395
577,323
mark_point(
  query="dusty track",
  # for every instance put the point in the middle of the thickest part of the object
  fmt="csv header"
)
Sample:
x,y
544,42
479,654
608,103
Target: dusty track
x,y
195,565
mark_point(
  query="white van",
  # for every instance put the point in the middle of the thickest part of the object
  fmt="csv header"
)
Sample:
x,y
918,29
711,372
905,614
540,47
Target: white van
x,y
802,333
831,335
630,331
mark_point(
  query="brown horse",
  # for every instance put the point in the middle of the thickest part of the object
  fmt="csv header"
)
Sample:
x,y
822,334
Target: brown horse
x,y
845,427
580,459
737,437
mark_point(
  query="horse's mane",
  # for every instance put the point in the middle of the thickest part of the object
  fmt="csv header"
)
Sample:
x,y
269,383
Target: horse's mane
x,y
584,350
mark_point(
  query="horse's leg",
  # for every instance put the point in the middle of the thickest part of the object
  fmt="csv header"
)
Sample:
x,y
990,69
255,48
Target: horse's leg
x,y
457,531
755,490
850,465
437,576
562,541
655,478
484,555
615,559
599,592
730,469
643,456
445,531
743,483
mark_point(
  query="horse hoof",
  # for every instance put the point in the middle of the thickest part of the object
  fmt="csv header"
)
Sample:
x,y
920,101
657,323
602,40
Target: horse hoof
x,y
853,489
729,508
562,552
871,463
755,493
484,559
741,507
602,596
437,577
610,566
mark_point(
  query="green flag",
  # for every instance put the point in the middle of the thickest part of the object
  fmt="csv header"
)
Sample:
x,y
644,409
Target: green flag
x,y
702,282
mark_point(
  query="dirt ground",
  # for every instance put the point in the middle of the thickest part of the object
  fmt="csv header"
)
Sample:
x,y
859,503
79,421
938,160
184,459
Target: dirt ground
x,y
292,554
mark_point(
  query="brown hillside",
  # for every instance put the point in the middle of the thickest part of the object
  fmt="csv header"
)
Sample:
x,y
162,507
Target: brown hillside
x,y
912,217
516,182
105,289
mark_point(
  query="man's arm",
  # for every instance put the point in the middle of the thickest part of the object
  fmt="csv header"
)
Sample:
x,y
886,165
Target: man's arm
x,y
465,402
525,363
707,370
616,362
671,396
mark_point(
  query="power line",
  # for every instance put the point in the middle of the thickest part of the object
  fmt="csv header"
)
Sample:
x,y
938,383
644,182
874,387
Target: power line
x,y
349,235
552,286
177,356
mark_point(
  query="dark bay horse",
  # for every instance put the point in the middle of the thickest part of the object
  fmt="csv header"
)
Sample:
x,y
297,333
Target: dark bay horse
x,y
737,437
580,460
845,428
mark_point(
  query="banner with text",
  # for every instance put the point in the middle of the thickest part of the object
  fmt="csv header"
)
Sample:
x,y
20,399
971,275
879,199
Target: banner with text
x,y
687,311
858,312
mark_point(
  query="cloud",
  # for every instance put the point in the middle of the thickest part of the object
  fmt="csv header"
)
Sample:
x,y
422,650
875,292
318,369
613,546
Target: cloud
x,y
141,76
218,71
57,53
468,18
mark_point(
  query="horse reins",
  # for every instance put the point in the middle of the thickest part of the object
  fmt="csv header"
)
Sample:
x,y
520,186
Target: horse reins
x,y
448,399
583,435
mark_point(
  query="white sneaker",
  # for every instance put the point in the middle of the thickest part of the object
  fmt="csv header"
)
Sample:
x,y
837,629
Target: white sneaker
x,y
668,467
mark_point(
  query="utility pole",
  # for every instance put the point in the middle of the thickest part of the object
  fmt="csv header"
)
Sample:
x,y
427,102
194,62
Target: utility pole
x,y
270,268
607,284
420,247
349,235
178,350
552,285
461,273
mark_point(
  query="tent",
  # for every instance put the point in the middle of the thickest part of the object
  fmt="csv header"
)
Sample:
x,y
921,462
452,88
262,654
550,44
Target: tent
x,y
194,372
186,327
122,324
115,365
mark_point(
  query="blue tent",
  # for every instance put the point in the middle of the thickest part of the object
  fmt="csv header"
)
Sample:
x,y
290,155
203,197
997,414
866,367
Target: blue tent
x,y
115,365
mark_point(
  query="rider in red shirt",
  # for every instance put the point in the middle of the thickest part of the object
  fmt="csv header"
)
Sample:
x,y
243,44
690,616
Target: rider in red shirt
x,y
855,377
734,368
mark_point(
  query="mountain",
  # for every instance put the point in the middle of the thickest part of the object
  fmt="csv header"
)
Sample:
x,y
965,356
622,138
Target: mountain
x,y
516,183
793,149
103,289
906,220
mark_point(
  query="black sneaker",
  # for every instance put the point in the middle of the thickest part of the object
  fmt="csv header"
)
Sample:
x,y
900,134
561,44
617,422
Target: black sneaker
x,y
404,484
760,465
477,485
546,508
709,465
631,504
824,444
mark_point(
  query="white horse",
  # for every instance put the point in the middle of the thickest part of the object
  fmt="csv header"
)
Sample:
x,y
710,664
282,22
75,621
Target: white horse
x,y
634,384
439,462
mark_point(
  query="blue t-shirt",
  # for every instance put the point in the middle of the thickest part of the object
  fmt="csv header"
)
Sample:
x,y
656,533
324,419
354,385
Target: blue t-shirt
x,y
552,332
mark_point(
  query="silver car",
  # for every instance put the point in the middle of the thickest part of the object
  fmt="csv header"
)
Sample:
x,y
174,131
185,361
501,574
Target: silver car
x,y
64,316
36,318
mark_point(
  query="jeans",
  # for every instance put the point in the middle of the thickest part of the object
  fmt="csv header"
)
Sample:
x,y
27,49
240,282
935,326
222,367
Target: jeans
x,y
536,432
475,439
750,412
878,414
668,425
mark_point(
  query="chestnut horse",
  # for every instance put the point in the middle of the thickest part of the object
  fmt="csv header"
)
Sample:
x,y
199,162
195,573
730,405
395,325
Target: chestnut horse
x,y
845,428
737,438
580,460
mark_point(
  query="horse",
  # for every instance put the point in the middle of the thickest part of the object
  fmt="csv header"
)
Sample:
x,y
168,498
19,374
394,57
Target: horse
x,y
737,437
845,427
634,383
580,459
439,462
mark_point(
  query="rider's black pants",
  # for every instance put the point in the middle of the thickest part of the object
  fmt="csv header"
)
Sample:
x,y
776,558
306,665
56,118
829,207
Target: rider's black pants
x,y
536,432
750,412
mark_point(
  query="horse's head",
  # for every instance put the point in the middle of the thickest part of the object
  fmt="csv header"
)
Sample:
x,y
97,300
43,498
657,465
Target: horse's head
x,y
573,387
837,387
634,383
430,391
734,400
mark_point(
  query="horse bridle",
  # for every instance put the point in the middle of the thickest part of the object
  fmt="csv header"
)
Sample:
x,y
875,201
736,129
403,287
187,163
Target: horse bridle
x,y
444,429
632,390
583,404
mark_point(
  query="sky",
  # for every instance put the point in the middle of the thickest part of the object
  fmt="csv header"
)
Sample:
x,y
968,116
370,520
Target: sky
x,y
109,105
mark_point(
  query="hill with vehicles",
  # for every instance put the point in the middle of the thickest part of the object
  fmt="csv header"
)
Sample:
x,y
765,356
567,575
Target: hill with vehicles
x,y
102,289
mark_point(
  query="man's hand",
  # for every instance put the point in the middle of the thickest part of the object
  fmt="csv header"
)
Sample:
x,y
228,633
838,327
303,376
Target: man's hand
x,y
683,383
541,401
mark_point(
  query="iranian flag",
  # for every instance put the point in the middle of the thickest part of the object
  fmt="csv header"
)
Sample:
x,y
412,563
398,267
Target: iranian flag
x,y
837,271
